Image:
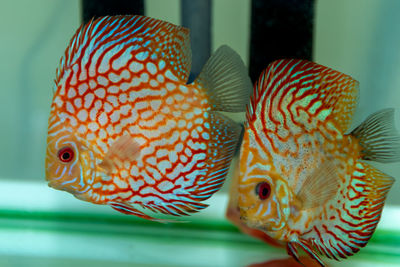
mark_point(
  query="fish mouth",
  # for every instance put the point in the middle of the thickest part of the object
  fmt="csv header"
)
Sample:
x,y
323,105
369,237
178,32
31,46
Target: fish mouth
x,y
244,217
55,177
253,222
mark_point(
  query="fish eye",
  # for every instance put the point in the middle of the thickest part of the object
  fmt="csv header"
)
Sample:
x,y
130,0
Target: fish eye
x,y
66,154
263,190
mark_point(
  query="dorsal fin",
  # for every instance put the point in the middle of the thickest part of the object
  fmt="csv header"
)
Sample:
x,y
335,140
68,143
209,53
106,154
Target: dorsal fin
x,y
311,86
101,39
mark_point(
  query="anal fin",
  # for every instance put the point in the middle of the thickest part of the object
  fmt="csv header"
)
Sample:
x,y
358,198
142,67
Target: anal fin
x,y
129,210
291,248
292,251
310,251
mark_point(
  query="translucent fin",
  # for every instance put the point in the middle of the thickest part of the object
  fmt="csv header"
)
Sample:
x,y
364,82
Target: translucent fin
x,y
237,152
310,251
226,81
224,137
105,37
181,207
123,149
378,137
321,186
315,89
129,210
292,251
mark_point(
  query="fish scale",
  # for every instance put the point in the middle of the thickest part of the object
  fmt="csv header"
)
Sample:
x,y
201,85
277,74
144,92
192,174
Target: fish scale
x,y
152,140
157,131
295,130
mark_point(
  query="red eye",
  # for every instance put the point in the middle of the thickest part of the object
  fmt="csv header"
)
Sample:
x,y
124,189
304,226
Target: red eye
x,y
263,190
66,154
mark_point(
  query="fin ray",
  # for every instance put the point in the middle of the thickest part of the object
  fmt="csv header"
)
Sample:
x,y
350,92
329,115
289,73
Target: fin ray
x,y
310,251
123,149
130,210
321,186
378,137
180,207
226,81
292,251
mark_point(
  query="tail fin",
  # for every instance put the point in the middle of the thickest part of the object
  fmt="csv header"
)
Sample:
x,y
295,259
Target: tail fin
x,y
226,81
378,137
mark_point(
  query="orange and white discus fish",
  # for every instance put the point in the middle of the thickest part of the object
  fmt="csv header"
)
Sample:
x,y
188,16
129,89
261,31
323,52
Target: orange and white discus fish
x,y
125,128
304,179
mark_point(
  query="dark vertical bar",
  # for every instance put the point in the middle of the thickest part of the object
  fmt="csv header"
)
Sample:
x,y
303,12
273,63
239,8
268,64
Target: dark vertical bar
x,y
97,8
280,29
196,15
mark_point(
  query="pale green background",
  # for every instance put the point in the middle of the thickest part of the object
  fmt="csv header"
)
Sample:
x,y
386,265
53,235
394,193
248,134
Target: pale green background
x,y
357,37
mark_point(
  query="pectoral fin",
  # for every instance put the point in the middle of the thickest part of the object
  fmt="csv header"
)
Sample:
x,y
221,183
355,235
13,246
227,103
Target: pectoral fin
x,y
321,186
123,149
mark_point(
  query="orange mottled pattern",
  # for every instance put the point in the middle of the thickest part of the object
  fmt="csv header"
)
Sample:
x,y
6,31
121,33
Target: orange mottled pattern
x,y
126,76
296,123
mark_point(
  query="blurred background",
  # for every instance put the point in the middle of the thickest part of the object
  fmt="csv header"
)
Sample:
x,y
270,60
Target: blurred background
x,y
358,37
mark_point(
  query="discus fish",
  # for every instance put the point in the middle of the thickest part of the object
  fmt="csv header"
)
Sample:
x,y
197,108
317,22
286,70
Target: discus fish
x,y
304,179
125,128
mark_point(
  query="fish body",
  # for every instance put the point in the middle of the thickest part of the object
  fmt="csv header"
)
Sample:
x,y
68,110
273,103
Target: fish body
x,y
125,128
304,179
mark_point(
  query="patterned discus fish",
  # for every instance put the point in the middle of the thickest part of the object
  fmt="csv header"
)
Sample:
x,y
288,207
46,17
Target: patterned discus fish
x,y
125,128
303,179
